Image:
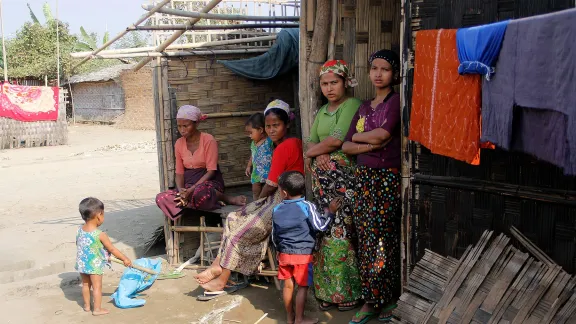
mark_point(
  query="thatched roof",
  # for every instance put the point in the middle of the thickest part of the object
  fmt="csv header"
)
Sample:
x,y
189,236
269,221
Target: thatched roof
x,y
105,74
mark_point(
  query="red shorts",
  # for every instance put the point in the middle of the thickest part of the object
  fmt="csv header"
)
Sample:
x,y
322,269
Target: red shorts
x,y
295,266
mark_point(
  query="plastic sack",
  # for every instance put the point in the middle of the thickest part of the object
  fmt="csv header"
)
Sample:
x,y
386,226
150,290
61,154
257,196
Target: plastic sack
x,y
135,281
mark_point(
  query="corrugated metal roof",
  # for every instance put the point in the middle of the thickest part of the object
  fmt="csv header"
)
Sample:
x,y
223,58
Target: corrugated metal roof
x,y
109,73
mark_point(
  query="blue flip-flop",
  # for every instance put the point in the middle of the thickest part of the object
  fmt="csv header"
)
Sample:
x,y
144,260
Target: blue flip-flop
x,y
367,317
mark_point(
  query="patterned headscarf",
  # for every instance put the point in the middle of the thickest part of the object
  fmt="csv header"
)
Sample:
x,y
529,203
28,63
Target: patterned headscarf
x,y
191,113
339,67
389,56
278,104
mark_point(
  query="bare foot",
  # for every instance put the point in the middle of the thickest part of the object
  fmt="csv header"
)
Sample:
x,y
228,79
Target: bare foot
x,y
307,320
208,274
214,285
101,311
237,200
87,308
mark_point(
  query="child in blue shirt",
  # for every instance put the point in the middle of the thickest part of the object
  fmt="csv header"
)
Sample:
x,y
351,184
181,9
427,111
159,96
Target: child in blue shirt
x,y
261,149
295,222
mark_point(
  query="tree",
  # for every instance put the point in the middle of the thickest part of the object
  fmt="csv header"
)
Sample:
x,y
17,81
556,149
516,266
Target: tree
x,y
89,42
133,39
45,9
32,53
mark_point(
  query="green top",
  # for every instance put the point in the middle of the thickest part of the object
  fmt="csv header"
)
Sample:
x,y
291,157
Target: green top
x,y
336,123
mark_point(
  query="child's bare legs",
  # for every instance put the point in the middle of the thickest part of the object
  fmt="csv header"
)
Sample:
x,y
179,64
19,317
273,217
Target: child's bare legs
x,y
300,304
256,190
97,294
86,284
287,294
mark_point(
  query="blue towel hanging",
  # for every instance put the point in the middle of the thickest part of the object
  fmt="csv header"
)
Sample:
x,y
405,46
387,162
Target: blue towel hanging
x,y
479,47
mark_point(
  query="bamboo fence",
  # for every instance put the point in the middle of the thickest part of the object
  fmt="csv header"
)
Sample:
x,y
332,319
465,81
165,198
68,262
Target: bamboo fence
x,y
18,134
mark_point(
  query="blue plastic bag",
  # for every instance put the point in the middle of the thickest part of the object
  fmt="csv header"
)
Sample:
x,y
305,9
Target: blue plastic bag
x,y
135,281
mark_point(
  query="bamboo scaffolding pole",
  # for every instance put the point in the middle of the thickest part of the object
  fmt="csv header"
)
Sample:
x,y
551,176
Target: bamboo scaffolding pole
x,y
3,44
236,114
214,27
57,47
197,229
180,46
205,15
176,54
152,11
177,34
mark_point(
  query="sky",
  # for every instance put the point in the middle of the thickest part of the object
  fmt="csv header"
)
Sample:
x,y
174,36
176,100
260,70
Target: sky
x,y
93,15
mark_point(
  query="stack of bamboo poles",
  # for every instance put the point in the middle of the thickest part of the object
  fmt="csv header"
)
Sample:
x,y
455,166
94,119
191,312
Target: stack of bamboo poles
x,y
493,282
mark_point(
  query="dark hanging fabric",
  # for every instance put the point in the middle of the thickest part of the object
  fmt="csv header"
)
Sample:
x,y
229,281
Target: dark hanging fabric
x,y
479,47
530,104
281,58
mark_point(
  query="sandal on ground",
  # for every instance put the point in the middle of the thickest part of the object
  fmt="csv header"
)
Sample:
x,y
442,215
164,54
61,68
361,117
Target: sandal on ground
x,y
366,317
388,309
326,306
351,306
230,288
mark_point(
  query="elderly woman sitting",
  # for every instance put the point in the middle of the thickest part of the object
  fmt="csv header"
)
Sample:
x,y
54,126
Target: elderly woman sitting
x,y
199,182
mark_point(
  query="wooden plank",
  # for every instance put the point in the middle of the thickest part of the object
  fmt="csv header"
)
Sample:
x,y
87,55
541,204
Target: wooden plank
x,y
562,298
310,15
525,311
461,274
567,311
483,268
501,286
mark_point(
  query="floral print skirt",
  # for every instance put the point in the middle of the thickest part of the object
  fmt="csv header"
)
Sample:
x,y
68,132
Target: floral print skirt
x,y
377,216
336,276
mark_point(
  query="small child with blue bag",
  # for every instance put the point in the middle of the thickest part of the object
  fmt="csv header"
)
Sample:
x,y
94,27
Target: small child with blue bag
x,y
93,247
295,222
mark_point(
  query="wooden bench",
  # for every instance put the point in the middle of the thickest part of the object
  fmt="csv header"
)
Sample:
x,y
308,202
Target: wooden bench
x,y
174,232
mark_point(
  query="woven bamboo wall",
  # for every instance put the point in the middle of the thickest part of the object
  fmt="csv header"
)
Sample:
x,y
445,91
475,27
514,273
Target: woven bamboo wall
x,y
453,203
202,82
364,27
98,101
17,134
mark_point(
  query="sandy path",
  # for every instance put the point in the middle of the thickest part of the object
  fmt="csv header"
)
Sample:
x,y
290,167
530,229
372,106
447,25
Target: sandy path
x,y
41,189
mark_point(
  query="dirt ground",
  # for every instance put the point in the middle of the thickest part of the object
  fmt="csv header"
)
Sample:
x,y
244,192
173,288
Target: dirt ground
x,y
41,189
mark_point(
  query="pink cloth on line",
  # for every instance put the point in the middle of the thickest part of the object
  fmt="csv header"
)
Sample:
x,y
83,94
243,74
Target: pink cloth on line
x,y
29,104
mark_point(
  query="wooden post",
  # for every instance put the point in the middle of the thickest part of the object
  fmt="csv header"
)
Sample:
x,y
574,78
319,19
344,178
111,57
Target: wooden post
x,y
406,228
177,34
315,61
333,23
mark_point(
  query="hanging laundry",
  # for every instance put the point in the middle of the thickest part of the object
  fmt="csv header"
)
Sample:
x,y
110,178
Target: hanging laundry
x,y
28,104
445,114
530,104
478,48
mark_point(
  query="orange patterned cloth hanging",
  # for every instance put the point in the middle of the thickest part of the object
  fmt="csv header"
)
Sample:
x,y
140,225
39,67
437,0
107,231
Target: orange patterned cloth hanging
x,y
445,115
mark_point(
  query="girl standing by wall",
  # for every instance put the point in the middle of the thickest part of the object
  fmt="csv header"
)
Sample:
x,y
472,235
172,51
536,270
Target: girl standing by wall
x,y
374,138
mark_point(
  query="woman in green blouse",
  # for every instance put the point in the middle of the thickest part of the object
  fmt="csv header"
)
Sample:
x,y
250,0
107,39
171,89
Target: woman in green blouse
x,y
336,277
